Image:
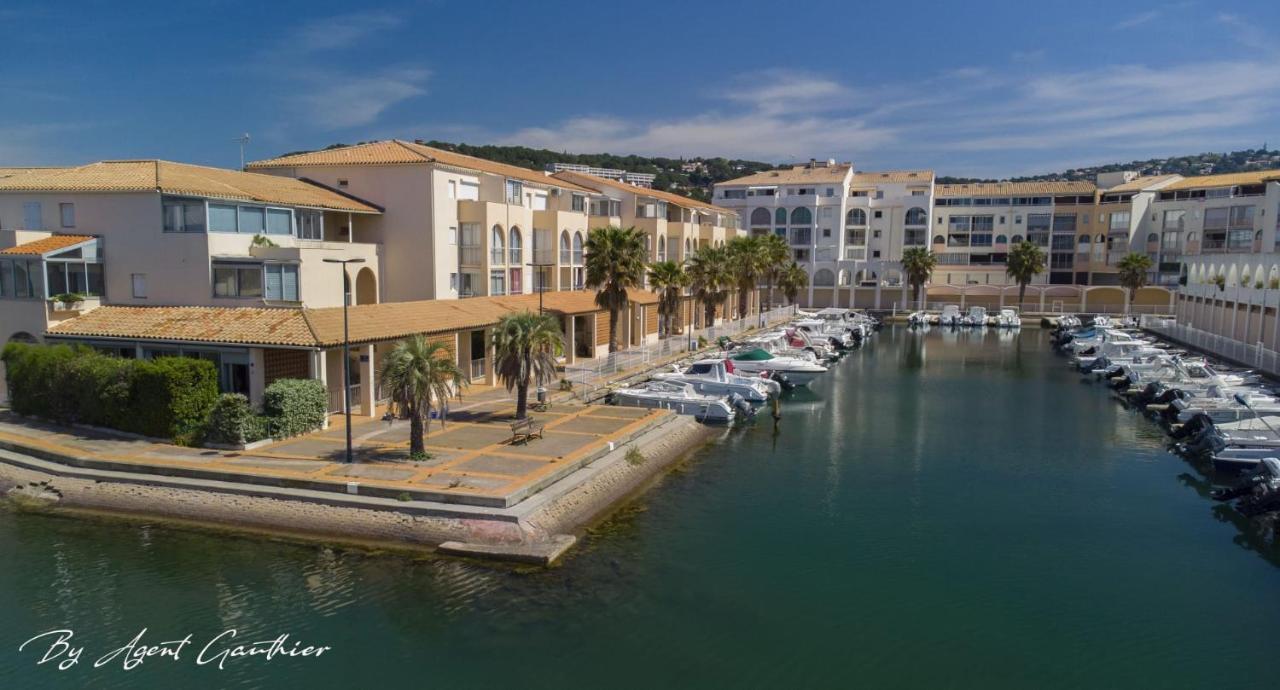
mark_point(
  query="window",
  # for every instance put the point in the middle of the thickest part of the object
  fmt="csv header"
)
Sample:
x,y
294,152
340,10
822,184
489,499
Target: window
x,y
801,216
606,207
917,216
1120,221
281,282
760,216
1173,220
23,286
1152,238
1241,217
515,192
67,213
939,239
826,232
310,225
826,212
855,216
279,221
733,194
253,219
875,234
1001,239
222,218
342,183
879,193
578,203
1216,218
469,191
183,215
453,189
237,280
32,215
879,214
858,237
780,217
453,282
139,281
498,282
539,202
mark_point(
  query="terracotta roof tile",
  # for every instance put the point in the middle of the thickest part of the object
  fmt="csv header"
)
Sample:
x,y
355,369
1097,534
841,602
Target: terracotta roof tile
x,y
234,325
798,174
397,152
46,245
893,177
1013,188
598,183
184,179
1224,180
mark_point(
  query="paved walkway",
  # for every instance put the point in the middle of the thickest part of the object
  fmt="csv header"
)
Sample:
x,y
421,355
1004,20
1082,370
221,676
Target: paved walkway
x,y
471,459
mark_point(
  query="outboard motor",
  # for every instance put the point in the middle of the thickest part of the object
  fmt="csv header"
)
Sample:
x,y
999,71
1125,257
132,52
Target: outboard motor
x,y
1245,486
1265,496
743,408
1193,428
782,380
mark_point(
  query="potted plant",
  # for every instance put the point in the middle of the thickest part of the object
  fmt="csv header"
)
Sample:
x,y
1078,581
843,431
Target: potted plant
x,y
1221,281
67,301
262,241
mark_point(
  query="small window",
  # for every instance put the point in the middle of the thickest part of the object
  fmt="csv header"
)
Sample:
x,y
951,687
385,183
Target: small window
x,y
831,191
515,192
139,281
68,214
453,189
342,183
222,218
453,235
875,254
879,214
281,282
32,215
875,233
279,221
253,219
237,280
826,232
453,282
579,203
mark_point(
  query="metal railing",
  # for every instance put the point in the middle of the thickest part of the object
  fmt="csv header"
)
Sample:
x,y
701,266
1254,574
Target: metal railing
x,y
478,368
470,255
588,376
1256,355
497,255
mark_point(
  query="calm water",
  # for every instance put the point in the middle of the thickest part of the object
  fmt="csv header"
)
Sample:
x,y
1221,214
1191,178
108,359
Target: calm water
x,y
945,510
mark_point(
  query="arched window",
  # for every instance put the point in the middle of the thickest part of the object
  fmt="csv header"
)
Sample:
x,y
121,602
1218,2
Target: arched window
x,y
1192,237
1100,239
687,247
1017,239
1083,240
565,255
497,246
760,216
577,248
1001,239
780,217
662,248
801,216
855,216
915,216
648,248
515,244
843,277
824,277
939,239
1153,237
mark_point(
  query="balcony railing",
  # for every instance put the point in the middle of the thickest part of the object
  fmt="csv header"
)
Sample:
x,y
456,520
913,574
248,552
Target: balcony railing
x,y
855,253
514,252
547,256
577,257
497,256
477,368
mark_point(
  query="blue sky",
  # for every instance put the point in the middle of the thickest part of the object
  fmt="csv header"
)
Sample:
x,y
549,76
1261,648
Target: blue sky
x,y
968,88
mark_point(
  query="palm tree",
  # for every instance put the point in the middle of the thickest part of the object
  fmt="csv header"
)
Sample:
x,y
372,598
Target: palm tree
x,y
792,280
747,263
420,374
1025,261
775,255
918,263
667,278
1133,272
709,277
525,347
615,259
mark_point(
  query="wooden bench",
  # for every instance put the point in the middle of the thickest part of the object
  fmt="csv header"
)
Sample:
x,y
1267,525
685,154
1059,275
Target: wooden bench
x,y
524,429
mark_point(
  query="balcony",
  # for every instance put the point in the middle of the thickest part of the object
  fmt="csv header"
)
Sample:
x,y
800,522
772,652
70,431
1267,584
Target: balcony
x,y
497,256
547,256
471,255
478,368
514,254
855,253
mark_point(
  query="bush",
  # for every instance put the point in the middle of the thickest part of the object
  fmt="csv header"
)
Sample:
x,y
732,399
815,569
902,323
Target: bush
x,y
231,421
294,406
169,397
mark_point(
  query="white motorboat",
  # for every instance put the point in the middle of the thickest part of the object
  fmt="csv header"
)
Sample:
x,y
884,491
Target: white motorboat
x,y
757,360
918,318
714,377
1102,322
977,316
683,399
950,315
1068,321
1008,318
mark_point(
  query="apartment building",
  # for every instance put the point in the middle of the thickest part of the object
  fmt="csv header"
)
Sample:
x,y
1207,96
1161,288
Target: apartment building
x,y
674,226
847,228
1124,207
454,225
152,232
975,225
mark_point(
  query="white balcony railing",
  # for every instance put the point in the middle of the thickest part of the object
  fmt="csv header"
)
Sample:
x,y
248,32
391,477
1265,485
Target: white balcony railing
x,y
477,368
497,256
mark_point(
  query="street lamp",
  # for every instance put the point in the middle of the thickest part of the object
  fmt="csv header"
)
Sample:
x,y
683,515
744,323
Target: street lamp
x,y
542,284
346,346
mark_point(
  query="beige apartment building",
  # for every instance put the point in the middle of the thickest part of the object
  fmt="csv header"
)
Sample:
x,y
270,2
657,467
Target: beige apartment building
x,y
455,225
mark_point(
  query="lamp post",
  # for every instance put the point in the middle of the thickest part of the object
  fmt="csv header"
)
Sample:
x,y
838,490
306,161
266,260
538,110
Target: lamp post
x,y
542,284
346,346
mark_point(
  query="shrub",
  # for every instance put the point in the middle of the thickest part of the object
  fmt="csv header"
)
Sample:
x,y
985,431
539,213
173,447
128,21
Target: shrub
x,y
294,406
168,397
230,420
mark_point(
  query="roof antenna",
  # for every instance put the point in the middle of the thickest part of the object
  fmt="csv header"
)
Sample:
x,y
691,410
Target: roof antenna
x,y
243,139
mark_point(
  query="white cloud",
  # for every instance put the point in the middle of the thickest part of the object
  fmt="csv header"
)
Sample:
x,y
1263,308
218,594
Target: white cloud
x,y
338,101
341,31
1136,20
778,91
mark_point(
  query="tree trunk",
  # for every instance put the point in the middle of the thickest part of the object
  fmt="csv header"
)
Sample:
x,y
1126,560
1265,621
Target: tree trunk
x,y
613,331
416,431
709,314
919,300
770,292
522,400
1022,294
743,298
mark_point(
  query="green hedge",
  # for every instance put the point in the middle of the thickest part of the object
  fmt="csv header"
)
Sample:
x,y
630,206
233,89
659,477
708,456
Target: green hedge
x,y
233,422
168,397
294,406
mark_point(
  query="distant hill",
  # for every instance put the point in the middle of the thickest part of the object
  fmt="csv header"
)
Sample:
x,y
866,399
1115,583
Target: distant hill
x,y
1187,166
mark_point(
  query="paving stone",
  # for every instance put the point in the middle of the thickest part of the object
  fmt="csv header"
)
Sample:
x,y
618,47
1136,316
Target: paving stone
x,y
470,436
552,445
593,425
277,463
458,481
373,472
496,464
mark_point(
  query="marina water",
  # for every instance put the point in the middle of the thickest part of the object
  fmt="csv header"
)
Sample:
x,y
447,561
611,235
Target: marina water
x,y
945,509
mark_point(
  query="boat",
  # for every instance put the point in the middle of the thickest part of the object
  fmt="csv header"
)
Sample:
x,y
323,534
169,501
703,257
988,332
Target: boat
x,y
683,399
1101,321
977,316
1256,494
1008,318
787,370
716,377
1069,321
918,318
950,315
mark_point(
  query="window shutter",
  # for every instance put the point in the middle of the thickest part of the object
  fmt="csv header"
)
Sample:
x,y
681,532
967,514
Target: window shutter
x,y
274,286
290,280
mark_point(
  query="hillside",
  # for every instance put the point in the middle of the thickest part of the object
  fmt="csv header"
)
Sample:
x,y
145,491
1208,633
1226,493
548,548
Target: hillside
x,y
1187,166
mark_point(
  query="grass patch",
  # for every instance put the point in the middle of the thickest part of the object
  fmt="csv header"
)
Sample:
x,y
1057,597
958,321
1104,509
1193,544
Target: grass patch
x,y
634,457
